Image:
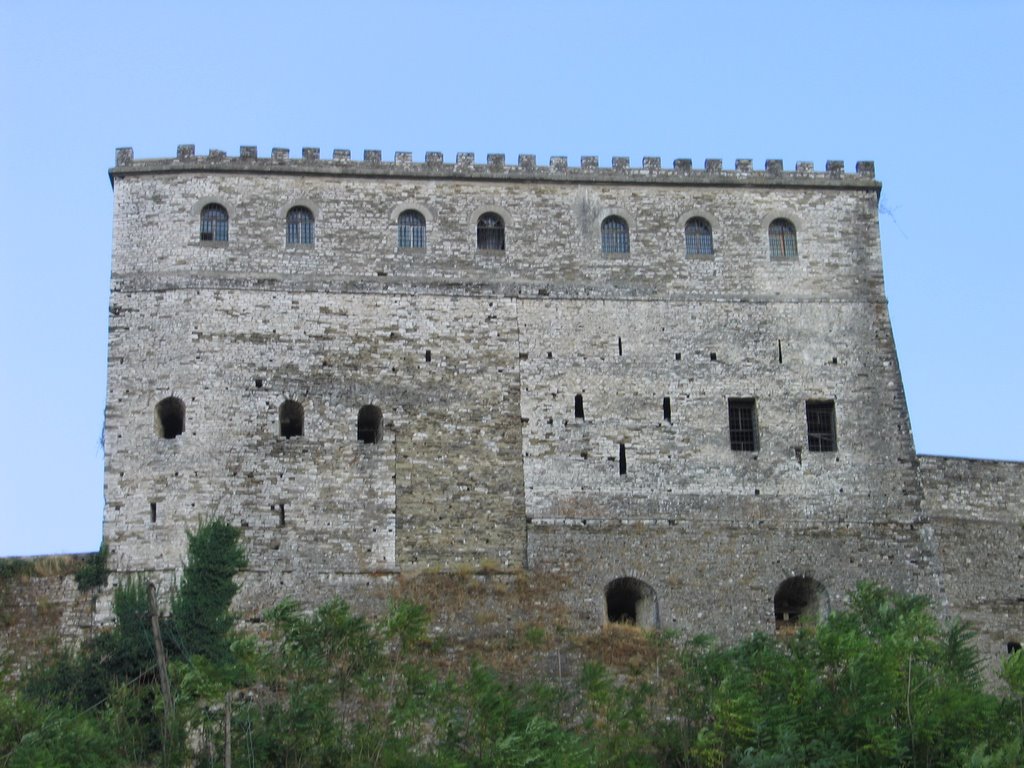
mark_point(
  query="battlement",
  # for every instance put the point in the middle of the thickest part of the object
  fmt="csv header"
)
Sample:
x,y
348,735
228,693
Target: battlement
x,y
341,163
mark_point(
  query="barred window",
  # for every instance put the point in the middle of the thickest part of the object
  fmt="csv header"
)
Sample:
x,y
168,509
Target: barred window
x,y
614,235
412,230
782,240
213,223
292,419
490,233
301,226
698,237
742,424
821,425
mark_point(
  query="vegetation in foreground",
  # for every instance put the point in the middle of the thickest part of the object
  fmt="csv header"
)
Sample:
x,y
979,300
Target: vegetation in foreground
x,y
880,684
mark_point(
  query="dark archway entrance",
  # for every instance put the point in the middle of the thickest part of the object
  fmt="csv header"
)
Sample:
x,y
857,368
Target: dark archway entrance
x,y
799,600
631,601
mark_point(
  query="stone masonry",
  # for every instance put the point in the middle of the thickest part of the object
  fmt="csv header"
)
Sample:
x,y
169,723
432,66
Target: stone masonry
x,y
559,406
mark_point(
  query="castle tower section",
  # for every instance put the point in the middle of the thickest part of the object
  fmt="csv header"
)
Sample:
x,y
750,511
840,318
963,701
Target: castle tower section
x,y
685,377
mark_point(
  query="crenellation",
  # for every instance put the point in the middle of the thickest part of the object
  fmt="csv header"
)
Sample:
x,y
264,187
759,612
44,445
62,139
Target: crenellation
x,y
866,168
465,166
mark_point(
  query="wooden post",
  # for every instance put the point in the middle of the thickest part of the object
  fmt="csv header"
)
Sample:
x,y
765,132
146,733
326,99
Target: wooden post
x,y
161,663
227,730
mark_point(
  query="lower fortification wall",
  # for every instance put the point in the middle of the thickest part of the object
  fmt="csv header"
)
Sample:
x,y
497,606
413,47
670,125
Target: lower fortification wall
x,y
42,608
977,512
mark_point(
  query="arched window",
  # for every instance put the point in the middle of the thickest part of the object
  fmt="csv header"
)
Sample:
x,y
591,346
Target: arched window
x,y
490,232
412,230
213,223
370,424
782,240
170,418
301,227
614,235
292,418
799,600
631,601
698,237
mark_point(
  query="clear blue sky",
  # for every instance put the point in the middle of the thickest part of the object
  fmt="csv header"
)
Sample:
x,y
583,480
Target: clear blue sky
x,y
931,91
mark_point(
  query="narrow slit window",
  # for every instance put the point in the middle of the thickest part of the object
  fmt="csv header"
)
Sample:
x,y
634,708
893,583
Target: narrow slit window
x,y
666,409
622,458
301,228
578,406
821,426
614,235
292,419
370,425
490,233
412,230
170,418
782,240
152,511
742,424
213,223
698,237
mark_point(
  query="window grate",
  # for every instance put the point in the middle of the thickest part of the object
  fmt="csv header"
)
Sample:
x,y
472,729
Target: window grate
x,y
614,235
213,223
412,230
782,240
821,425
698,238
300,226
490,233
742,424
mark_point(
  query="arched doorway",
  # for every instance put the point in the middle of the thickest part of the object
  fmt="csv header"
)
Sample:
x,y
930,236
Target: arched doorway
x,y
631,601
799,600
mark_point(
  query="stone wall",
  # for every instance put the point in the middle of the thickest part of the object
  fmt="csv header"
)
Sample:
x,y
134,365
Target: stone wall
x,y
476,359
42,608
977,510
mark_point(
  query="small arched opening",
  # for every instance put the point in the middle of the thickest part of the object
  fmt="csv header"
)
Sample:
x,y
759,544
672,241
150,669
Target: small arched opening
x,y
292,419
370,425
631,601
799,600
170,418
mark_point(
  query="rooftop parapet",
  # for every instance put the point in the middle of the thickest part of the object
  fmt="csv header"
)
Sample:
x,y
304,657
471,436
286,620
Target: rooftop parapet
x,y
465,165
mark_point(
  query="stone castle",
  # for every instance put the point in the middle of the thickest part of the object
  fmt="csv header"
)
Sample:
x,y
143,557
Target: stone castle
x,y
674,389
